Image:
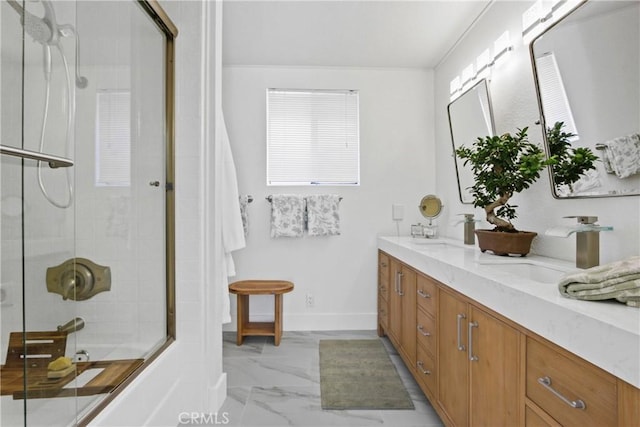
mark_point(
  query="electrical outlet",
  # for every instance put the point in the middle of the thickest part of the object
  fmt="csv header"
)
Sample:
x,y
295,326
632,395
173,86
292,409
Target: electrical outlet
x,y
397,212
309,300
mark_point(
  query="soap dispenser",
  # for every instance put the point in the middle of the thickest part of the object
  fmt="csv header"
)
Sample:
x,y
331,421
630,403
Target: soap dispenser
x,y
469,229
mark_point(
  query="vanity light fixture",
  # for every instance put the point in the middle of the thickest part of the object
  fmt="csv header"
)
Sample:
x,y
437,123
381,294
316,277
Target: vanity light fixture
x,y
467,75
483,62
454,86
501,46
542,14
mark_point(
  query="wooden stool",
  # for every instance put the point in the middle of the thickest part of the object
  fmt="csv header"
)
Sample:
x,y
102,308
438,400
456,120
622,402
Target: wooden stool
x,y
243,289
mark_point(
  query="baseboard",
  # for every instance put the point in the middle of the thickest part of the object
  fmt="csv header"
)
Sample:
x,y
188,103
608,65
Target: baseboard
x,y
218,393
316,322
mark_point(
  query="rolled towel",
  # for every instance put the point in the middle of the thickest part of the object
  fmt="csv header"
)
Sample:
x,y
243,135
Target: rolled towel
x,y
619,280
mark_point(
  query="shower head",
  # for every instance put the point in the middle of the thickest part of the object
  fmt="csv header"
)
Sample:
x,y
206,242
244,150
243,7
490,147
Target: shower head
x,y
43,30
47,32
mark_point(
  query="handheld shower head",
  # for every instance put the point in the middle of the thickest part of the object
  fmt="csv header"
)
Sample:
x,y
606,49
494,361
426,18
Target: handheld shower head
x,y
43,30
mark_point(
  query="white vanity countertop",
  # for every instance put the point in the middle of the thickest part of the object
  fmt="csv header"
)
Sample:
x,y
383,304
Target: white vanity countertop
x,y
606,333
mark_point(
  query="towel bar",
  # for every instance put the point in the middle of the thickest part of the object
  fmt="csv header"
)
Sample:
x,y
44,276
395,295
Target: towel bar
x,y
270,198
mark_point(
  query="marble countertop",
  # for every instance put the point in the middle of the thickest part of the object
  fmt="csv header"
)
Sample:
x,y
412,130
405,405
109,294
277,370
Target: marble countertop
x,y
524,289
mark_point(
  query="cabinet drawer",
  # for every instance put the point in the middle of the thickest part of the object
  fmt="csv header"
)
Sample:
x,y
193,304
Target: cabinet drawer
x,y
569,380
426,369
426,294
426,331
532,419
383,274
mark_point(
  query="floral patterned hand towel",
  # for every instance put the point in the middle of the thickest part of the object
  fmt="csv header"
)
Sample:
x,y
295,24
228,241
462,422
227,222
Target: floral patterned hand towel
x,y
323,217
287,215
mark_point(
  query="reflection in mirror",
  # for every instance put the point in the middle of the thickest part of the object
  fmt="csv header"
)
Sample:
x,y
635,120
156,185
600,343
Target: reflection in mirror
x,y
470,117
586,68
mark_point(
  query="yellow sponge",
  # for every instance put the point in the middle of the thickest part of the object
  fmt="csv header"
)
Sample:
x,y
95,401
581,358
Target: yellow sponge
x,y
60,363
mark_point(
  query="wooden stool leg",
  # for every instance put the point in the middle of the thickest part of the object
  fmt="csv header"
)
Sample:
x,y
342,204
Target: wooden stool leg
x,y
277,319
243,317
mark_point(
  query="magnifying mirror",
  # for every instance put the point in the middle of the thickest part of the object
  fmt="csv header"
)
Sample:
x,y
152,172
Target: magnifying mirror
x,y
430,208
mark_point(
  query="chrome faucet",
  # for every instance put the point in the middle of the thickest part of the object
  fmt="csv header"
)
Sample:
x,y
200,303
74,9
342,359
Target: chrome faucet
x,y
587,239
469,229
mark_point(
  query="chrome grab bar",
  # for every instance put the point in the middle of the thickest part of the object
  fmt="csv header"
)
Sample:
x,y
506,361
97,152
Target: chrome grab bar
x,y
54,161
546,383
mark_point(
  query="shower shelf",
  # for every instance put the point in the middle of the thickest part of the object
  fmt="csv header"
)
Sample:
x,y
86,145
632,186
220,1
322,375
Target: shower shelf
x,y
54,161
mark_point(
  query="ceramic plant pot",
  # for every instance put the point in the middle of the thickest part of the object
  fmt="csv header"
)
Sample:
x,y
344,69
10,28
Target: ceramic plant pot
x,y
502,243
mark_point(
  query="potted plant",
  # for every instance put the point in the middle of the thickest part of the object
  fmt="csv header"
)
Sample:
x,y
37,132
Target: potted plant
x,y
508,164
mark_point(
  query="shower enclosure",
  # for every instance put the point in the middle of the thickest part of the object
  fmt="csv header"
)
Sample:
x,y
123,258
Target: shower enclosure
x,y
86,203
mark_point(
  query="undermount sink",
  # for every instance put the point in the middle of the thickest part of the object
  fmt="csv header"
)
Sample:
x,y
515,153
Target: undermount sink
x,y
429,243
530,270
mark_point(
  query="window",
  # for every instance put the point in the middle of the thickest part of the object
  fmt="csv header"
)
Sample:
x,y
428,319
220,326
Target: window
x,y
113,138
554,95
313,137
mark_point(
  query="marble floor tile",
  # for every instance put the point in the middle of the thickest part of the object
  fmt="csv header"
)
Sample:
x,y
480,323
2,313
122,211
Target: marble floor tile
x,y
280,386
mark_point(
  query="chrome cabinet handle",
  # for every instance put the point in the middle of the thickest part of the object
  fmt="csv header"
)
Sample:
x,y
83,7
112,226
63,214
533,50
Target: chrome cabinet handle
x,y
400,292
421,366
383,264
472,357
546,383
423,332
423,295
395,288
459,320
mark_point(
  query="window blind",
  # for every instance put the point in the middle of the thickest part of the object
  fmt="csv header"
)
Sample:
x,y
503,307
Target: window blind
x,y
113,138
313,137
554,97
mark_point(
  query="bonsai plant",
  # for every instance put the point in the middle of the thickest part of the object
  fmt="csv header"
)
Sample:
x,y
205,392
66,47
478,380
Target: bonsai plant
x,y
508,164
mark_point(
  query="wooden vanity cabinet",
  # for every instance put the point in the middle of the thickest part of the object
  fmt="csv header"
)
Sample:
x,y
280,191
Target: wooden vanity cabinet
x,y
480,369
478,364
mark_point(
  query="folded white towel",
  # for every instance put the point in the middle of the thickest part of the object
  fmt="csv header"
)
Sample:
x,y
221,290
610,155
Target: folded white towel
x,y
618,280
323,216
623,155
287,215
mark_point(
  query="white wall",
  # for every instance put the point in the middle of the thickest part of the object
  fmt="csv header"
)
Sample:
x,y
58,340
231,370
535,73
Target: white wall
x,y
397,167
514,104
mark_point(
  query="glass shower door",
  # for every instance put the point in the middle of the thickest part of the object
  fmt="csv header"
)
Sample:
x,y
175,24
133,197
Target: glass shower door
x,y
85,203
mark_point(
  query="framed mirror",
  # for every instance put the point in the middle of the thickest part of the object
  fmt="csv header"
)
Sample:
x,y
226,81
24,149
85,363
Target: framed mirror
x,y
470,117
586,69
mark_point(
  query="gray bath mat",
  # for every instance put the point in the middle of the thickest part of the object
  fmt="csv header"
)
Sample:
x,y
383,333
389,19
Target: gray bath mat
x,y
358,374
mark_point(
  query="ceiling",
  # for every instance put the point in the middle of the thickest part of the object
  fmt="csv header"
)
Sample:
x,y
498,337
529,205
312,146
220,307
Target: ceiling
x,y
365,33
